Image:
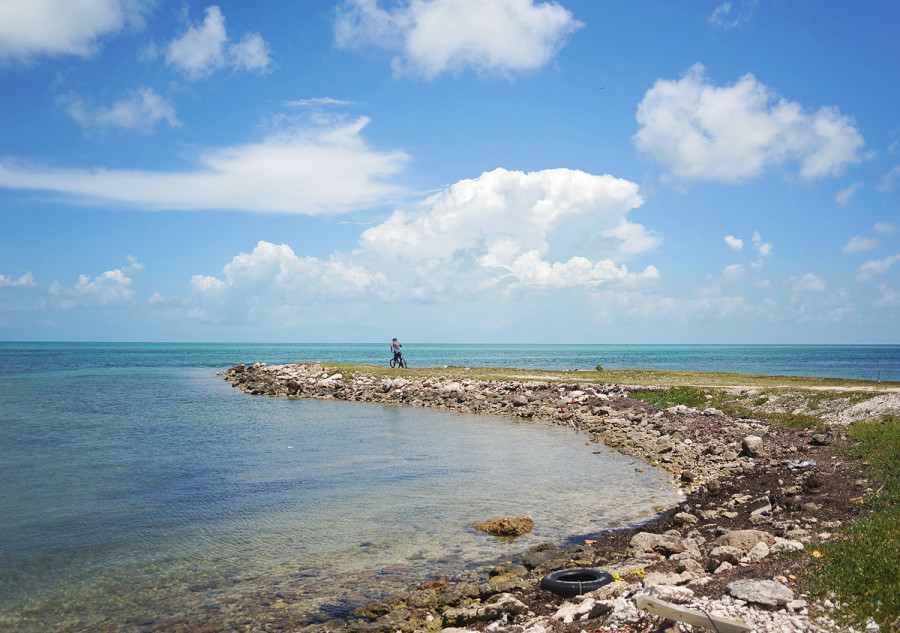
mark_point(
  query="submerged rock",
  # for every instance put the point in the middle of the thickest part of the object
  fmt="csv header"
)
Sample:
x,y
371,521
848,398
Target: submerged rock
x,y
507,526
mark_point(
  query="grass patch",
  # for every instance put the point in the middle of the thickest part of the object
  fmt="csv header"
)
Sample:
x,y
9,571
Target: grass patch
x,y
861,568
688,396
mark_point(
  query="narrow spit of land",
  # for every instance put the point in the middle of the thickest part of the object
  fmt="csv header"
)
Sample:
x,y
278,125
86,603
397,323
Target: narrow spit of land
x,y
760,458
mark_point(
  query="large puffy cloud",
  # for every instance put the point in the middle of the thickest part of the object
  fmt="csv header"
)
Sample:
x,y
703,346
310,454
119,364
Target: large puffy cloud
x,y
501,224
698,131
485,235
317,169
436,36
204,48
30,28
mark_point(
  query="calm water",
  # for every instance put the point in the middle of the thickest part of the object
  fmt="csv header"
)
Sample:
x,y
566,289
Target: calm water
x,y
139,491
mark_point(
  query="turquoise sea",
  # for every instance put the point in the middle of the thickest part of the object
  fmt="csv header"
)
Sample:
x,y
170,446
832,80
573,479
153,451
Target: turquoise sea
x,y
140,492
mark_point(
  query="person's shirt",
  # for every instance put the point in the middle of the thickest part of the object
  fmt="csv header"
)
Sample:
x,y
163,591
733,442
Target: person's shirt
x,y
396,346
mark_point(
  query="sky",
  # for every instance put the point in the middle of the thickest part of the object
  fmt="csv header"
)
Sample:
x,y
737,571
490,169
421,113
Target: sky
x,y
450,171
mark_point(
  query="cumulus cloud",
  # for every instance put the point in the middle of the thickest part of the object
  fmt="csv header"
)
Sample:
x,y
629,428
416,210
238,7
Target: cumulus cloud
x,y
807,283
32,28
26,281
885,228
275,269
733,271
763,248
110,288
322,168
140,110
436,36
876,267
859,244
497,233
204,48
844,196
734,243
502,221
702,132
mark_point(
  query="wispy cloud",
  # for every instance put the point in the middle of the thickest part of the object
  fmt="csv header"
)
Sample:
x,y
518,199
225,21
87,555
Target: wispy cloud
x,y
141,110
844,196
726,16
876,267
321,168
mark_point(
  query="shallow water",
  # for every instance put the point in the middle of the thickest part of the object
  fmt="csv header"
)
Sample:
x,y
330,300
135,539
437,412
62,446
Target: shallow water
x,y
139,498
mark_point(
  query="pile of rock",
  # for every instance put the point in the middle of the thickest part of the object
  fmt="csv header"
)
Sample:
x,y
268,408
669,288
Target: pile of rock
x,y
688,551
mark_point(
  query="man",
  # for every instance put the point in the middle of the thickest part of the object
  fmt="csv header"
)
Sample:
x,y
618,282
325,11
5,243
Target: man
x,y
395,347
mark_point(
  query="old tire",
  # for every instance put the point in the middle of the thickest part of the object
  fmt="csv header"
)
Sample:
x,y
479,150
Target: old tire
x,y
574,582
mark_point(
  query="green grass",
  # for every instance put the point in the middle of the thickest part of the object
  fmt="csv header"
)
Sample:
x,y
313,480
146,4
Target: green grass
x,y
688,396
861,568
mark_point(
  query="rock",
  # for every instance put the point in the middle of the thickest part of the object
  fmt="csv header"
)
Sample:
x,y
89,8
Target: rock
x,y
820,439
394,621
724,553
752,445
684,518
665,544
585,610
687,476
610,591
723,567
493,610
758,551
507,526
770,593
785,545
763,505
675,595
744,540
623,613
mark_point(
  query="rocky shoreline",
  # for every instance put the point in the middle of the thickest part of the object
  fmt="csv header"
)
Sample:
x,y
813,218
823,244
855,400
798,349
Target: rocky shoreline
x,y
758,500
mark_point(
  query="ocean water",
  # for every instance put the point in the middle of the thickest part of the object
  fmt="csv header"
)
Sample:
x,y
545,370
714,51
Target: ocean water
x,y
140,492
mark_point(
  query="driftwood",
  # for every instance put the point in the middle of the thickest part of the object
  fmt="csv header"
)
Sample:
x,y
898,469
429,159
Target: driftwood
x,y
689,616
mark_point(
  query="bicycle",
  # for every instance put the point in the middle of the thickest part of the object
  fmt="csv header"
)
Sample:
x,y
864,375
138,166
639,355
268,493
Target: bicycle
x,y
399,361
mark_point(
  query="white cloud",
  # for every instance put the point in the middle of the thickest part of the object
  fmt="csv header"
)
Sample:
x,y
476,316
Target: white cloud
x,y
876,267
844,196
885,228
141,110
698,131
31,28
763,248
274,270
488,236
110,288
887,182
513,210
26,280
887,297
204,48
437,36
317,102
727,17
734,243
734,271
317,169
807,283
859,244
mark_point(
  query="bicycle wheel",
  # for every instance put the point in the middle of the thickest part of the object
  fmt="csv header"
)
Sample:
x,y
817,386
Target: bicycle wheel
x,y
393,362
403,363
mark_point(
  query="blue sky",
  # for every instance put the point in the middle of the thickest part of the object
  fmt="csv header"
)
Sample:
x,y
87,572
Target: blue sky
x,y
505,171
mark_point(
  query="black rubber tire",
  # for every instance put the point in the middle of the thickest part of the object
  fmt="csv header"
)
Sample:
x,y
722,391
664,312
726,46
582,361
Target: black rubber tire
x,y
574,582
403,363
393,363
